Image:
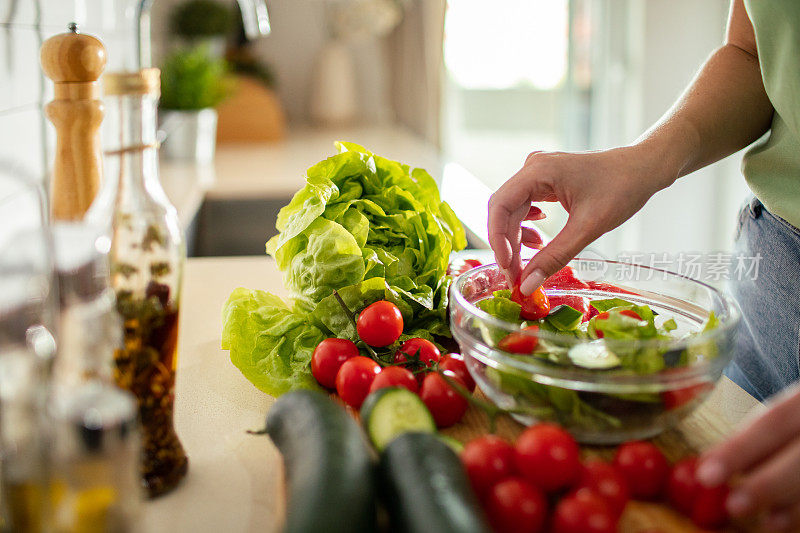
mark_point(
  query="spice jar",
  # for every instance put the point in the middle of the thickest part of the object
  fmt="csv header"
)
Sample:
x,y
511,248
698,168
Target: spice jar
x,y
146,263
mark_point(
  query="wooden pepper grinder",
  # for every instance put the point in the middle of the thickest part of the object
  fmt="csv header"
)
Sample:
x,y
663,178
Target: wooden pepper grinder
x,y
74,62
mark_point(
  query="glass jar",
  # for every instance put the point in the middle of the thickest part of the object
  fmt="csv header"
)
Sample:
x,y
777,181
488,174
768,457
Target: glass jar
x,y
146,263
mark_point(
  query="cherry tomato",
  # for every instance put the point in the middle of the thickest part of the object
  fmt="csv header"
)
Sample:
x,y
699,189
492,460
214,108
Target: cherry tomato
x,y
380,324
672,399
644,467
605,481
394,376
709,510
583,512
516,506
444,403
328,357
706,507
565,279
487,460
578,303
454,362
534,306
427,352
548,457
682,487
355,378
519,342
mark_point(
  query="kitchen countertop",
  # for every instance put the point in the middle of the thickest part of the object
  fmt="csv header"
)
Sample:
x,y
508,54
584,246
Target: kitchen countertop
x,y
276,170
234,478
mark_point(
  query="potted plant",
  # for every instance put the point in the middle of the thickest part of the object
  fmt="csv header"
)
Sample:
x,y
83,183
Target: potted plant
x,y
193,83
203,22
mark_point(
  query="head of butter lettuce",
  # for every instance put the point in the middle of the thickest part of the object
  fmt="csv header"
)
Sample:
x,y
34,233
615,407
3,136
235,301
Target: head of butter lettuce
x,y
371,228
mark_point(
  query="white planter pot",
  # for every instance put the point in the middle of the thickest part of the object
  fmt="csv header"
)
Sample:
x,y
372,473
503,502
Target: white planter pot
x,y
189,135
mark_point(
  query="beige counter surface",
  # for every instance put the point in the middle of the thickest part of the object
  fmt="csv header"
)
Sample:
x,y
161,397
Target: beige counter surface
x,y
234,478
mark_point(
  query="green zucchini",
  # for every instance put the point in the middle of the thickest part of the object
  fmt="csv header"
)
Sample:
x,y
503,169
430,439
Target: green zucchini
x,y
330,474
564,318
392,411
425,488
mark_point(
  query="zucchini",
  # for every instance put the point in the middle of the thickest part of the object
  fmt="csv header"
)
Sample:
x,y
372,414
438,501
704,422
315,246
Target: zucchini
x,y
425,488
329,470
392,411
564,318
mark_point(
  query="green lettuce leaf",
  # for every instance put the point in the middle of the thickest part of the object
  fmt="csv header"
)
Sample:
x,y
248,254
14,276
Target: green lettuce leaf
x,y
365,226
269,343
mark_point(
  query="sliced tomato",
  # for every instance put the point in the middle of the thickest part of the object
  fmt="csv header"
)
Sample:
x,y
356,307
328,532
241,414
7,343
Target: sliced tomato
x,y
565,279
534,306
518,342
606,287
673,399
459,267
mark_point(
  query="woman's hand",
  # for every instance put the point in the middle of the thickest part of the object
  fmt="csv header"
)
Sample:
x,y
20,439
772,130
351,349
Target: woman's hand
x,y
763,461
600,190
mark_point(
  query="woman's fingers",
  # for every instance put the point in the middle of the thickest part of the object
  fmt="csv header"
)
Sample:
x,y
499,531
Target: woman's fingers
x,y
771,485
553,257
762,437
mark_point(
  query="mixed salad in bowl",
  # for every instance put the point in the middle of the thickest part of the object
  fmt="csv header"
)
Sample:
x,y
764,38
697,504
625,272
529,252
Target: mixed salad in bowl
x,y
608,362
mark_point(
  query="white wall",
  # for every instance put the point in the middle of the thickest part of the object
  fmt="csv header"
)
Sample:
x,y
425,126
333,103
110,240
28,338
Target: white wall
x,y
298,32
667,40
26,138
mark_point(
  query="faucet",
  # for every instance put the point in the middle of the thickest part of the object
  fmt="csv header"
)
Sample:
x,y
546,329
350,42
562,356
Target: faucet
x,y
255,20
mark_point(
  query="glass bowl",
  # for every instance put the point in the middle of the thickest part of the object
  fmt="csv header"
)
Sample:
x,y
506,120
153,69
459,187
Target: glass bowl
x,y
601,406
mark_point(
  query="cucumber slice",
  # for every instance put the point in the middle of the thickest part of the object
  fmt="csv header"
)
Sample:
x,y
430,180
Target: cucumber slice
x,y
564,318
390,412
593,355
454,444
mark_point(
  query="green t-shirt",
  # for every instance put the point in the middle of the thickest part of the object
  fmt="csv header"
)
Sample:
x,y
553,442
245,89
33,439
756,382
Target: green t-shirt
x,y
772,167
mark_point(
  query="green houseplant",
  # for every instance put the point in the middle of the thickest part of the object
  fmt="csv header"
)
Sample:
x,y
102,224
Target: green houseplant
x,y
193,83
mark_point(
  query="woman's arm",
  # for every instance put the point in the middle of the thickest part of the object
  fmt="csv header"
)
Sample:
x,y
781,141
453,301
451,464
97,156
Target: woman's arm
x,y
723,110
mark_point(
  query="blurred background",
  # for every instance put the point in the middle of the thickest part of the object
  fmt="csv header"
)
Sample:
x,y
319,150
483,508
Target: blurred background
x,y
254,92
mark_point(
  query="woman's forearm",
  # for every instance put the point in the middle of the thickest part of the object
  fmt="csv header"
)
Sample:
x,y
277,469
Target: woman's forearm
x,y
724,109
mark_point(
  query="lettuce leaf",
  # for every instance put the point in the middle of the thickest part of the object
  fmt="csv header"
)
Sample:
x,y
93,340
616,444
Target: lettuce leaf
x,y
269,343
365,226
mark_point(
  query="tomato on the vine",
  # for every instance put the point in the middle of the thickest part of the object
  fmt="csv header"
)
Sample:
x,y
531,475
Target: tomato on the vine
x,y
583,512
487,460
515,506
518,342
355,378
394,376
548,457
328,357
380,324
445,404
607,482
534,306
425,350
644,467
454,362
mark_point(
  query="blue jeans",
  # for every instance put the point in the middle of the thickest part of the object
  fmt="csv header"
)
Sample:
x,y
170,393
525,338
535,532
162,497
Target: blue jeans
x,y
767,356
